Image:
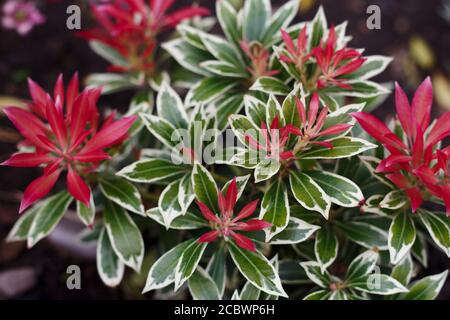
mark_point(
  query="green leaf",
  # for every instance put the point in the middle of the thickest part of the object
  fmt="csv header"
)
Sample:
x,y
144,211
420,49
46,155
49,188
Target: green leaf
x,y
309,194
342,191
342,148
226,108
249,292
291,273
48,216
319,26
108,53
125,237
318,295
227,16
402,234
185,192
170,107
316,273
202,286
162,272
426,288
326,247
163,130
111,82
242,126
362,265
222,50
209,89
151,170
377,284
280,20
360,89
289,106
266,169
224,69
419,250
373,66
403,271
87,214
122,193
255,267
438,228
394,200
187,55
241,182
270,85
109,267
217,269
21,228
188,262
205,187
364,234
273,109
275,208
296,231
255,110
191,35
189,221
168,204
256,15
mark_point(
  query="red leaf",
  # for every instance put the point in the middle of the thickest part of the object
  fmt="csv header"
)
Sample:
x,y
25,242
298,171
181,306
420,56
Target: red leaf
x,y
378,130
78,188
209,236
72,93
222,203
108,136
415,198
206,212
243,241
27,123
174,18
231,196
56,120
58,92
421,103
403,111
440,130
313,109
247,210
94,156
26,160
253,225
39,97
335,129
37,189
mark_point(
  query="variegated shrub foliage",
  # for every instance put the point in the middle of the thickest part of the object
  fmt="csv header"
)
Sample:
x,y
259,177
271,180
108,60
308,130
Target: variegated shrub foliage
x,y
316,217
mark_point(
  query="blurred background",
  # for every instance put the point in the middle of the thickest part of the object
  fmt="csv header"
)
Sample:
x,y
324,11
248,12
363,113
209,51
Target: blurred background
x,y
415,32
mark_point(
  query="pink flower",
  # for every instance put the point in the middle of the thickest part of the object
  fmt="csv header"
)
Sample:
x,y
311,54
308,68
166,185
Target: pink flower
x,y
63,131
225,225
410,163
21,16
